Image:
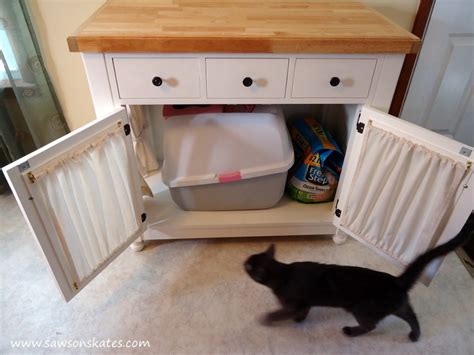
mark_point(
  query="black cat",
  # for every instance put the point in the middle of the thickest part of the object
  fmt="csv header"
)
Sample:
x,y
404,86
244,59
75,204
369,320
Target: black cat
x,y
369,295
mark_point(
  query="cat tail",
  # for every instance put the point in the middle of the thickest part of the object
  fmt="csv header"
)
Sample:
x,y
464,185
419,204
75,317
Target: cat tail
x,y
416,267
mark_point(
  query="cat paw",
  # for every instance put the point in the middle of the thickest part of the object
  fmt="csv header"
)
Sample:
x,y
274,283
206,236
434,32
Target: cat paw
x,y
347,331
414,336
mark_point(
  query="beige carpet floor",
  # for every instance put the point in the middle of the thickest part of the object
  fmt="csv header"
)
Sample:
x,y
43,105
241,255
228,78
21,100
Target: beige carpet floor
x,y
193,297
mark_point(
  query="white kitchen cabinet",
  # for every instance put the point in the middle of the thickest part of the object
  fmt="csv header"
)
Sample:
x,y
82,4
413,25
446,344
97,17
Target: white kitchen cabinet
x,y
390,181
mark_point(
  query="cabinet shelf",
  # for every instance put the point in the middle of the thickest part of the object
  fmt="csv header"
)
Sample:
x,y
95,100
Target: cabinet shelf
x,y
167,221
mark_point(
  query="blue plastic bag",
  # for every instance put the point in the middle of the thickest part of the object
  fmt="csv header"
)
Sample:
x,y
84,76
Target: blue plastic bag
x,y
318,162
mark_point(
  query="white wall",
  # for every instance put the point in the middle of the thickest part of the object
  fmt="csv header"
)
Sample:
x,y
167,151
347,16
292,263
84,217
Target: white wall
x,y
55,20
402,12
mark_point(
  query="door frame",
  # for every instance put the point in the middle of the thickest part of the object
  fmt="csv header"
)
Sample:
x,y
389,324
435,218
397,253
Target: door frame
x,y
420,26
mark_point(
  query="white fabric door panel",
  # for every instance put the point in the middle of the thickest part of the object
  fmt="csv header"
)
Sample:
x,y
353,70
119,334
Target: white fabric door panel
x,y
404,189
88,196
401,195
81,197
146,159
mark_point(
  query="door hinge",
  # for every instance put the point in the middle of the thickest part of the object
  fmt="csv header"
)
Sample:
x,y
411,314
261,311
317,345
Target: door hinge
x,y
360,125
31,177
338,211
126,129
143,217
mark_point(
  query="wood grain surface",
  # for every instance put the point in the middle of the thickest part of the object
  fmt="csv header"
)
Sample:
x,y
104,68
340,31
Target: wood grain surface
x,y
240,26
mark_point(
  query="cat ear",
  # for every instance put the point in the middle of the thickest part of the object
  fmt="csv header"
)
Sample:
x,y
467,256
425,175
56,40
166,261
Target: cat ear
x,y
271,251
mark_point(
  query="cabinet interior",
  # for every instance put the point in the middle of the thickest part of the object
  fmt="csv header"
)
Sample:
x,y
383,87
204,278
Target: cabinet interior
x,y
336,118
288,217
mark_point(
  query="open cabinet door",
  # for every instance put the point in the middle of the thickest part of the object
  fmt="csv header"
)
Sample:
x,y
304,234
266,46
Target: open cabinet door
x,y
404,188
81,197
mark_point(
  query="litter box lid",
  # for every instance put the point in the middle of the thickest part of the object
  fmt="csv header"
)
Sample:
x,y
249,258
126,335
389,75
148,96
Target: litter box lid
x,y
225,147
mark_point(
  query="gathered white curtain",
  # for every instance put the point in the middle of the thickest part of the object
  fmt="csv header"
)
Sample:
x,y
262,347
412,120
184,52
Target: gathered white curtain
x,y
146,160
89,196
400,196
145,157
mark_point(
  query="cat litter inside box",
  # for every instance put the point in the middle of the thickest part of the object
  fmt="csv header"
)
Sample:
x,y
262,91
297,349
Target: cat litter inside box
x,y
227,161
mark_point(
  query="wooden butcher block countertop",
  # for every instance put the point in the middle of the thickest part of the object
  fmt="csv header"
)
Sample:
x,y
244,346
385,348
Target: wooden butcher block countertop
x,y
240,26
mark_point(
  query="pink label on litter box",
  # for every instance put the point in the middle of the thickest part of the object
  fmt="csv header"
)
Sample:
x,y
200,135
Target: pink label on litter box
x,y
229,177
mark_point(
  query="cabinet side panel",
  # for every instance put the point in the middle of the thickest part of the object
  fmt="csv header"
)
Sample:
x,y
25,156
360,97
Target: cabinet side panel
x,y
387,82
99,84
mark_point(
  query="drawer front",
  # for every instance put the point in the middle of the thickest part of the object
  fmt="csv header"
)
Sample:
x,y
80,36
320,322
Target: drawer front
x,y
246,78
141,78
333,78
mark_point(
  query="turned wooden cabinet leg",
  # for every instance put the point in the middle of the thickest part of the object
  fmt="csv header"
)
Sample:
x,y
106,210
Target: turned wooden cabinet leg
x,y
138,244
339,237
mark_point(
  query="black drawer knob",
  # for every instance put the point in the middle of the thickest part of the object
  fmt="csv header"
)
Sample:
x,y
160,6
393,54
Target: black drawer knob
x,y
157,81
335,81
247,82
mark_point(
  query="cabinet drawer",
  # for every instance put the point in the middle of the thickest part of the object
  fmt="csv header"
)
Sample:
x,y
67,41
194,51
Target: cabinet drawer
x,y
331,78
157,77
246,78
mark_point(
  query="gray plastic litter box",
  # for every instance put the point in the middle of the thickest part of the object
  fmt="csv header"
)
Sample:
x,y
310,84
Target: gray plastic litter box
x,y
227,161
